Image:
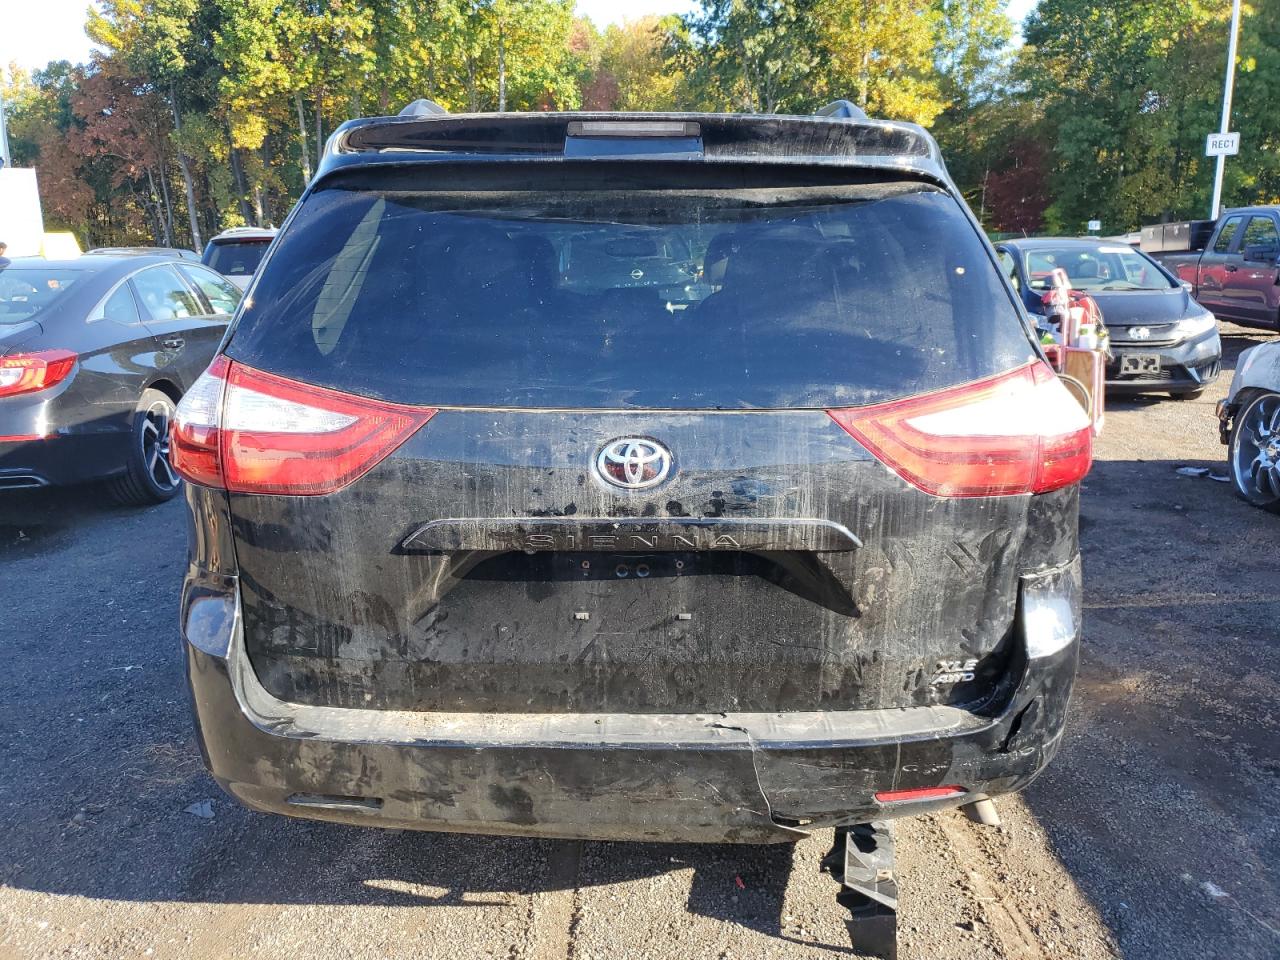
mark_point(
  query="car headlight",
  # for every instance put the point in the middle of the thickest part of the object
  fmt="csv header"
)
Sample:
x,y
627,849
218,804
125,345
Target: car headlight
x,y
1195,326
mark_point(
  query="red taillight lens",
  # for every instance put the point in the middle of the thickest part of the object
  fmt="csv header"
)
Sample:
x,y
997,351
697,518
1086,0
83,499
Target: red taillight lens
x,y
919,793
28,372
255,432
193,442
1019,432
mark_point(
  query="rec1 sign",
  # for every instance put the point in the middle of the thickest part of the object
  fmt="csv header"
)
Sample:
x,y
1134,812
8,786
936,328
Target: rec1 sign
x,y
1222,145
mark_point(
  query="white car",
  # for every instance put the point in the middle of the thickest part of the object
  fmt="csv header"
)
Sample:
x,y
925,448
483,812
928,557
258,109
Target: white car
x,y
236,253
1250,426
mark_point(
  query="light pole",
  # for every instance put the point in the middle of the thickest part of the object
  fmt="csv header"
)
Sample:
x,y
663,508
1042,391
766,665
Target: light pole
x,y
1226,106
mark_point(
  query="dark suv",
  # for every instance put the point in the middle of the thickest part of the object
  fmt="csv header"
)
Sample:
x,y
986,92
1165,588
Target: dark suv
x,y
479,544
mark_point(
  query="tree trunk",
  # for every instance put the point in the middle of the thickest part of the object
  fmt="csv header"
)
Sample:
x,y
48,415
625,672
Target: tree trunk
x,y
242,186
164,217
168,204
864,74
263,202
151,209
473,104
319,134
183,165
162,174
302,129
502,69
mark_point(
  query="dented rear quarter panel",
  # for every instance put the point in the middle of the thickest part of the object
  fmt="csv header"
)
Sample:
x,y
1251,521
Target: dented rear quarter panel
x,y
1257,368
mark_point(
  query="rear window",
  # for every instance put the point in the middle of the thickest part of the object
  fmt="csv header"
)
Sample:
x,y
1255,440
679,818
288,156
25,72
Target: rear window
x,y
584,294
236,258
27,291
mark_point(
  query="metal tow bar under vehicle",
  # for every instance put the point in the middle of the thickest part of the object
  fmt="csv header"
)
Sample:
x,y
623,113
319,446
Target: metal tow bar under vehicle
x,y
862,861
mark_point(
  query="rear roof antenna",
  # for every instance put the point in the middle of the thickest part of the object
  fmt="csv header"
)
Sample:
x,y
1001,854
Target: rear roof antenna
x,y
841,110
423,108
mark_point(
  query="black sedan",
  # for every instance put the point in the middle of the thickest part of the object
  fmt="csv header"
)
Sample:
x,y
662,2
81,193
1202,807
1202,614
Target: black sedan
x,y
1162,340
94,354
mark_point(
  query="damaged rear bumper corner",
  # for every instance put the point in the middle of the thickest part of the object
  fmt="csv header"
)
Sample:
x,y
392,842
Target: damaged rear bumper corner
x,y
749,777
1226,411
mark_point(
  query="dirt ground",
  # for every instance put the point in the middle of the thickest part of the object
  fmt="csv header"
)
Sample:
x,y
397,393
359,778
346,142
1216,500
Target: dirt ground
x,y
1155,835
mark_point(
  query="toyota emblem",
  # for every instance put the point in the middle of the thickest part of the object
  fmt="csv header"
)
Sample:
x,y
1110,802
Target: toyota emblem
x,y
633,463
1139,333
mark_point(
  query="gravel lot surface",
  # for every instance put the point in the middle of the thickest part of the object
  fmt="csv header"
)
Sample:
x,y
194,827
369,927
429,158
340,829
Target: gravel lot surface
x,y
1155,834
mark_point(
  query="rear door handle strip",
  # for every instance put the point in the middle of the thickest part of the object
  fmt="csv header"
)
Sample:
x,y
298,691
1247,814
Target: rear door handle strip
x,y
610,534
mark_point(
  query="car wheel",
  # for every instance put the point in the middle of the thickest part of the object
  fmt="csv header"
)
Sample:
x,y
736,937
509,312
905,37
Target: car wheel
x,y
1189,395
1253,455
148,477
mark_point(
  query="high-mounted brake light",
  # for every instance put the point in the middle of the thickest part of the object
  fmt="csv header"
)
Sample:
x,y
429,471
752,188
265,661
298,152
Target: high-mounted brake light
x,y
1018,432
634,128
28,372
254,432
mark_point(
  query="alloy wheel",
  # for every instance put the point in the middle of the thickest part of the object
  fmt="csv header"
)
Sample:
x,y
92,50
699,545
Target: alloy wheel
x,y
155,445
1256,458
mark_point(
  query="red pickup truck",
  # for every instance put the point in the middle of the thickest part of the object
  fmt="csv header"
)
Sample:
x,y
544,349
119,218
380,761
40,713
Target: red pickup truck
x,y
1237,274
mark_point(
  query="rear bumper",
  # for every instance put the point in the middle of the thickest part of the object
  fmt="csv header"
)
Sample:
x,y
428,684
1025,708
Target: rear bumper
x,y
59,460
44,441
707,778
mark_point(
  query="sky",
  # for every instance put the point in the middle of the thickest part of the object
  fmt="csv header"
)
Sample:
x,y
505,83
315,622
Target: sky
x,y
33,32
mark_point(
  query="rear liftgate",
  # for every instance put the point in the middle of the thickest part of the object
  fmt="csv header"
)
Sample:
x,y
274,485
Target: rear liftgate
x,y
422,619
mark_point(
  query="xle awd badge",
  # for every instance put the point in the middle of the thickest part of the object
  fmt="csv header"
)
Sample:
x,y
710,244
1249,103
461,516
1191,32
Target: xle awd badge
x,y
954,671
633,463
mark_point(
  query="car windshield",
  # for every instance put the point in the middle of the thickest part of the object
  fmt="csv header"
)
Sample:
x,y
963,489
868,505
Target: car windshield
x,y
1101,268
236,258
663,298
26,291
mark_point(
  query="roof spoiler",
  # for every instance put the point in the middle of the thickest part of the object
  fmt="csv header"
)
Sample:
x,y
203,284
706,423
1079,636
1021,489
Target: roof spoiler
x,y
423,108
841,110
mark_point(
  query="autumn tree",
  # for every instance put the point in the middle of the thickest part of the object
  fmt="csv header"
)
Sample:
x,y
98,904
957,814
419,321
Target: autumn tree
x,y
220,109
633,53
162,42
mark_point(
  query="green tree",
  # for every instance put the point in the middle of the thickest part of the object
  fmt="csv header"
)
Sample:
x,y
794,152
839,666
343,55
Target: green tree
x,y
1130,89
634,67
1254,176
880,53
758,56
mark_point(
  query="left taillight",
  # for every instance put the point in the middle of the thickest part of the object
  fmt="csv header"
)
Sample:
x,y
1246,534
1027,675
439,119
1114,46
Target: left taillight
x,y
29,372
193,440
249,431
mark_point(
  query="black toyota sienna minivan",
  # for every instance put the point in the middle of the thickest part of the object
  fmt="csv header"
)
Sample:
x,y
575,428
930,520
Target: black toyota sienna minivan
x,y
629,476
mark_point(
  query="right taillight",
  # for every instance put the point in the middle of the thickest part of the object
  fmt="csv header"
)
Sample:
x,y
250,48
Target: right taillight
x,y
1015,433
29,372
248,431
